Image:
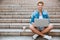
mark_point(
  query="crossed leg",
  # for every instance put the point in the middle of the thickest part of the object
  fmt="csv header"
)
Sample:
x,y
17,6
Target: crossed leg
x,y
41,33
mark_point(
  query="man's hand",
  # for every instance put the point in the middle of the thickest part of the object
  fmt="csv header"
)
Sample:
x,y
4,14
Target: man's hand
x,y
33,24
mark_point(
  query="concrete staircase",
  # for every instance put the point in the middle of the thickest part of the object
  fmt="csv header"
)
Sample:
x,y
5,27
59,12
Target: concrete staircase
x,y
14,14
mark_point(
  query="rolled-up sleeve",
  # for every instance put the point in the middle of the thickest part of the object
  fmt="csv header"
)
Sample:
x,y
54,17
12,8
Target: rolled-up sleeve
x,y
32,18
48,17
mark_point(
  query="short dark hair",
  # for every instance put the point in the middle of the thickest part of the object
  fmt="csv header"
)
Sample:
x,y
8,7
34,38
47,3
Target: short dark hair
x,y
40,2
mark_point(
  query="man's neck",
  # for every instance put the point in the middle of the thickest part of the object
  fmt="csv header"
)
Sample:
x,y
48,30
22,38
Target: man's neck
x,y
40,11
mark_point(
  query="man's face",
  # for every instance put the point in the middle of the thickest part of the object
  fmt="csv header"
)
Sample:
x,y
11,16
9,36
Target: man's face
x,y
40,6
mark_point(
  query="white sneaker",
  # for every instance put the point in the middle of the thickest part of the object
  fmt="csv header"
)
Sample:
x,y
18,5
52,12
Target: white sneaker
x,y
47,37
35,36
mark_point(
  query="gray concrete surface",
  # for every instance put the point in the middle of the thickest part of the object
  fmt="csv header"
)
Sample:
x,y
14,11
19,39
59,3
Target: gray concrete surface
x,y
21,38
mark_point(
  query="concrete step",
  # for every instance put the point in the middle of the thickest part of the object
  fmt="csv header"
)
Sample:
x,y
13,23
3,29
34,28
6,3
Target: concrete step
x,y
54,16
5,2
26,13
15,13
21,25
27,32
25,16
13,25
24,37
26,1
27,9
24,20
27,6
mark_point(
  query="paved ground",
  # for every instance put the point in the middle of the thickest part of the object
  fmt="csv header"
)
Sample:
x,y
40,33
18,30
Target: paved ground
x,y
21,38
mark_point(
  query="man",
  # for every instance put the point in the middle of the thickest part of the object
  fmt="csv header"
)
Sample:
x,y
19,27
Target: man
x,y
40,14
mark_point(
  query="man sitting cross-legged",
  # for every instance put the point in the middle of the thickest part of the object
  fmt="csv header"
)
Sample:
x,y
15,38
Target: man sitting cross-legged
x,y
40,14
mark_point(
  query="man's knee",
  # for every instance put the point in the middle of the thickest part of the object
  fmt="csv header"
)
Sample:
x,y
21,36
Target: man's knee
x,y
50,26
31,27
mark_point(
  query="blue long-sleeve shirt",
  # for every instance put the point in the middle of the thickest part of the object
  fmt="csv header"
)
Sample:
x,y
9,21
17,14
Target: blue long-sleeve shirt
x,y
35,15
